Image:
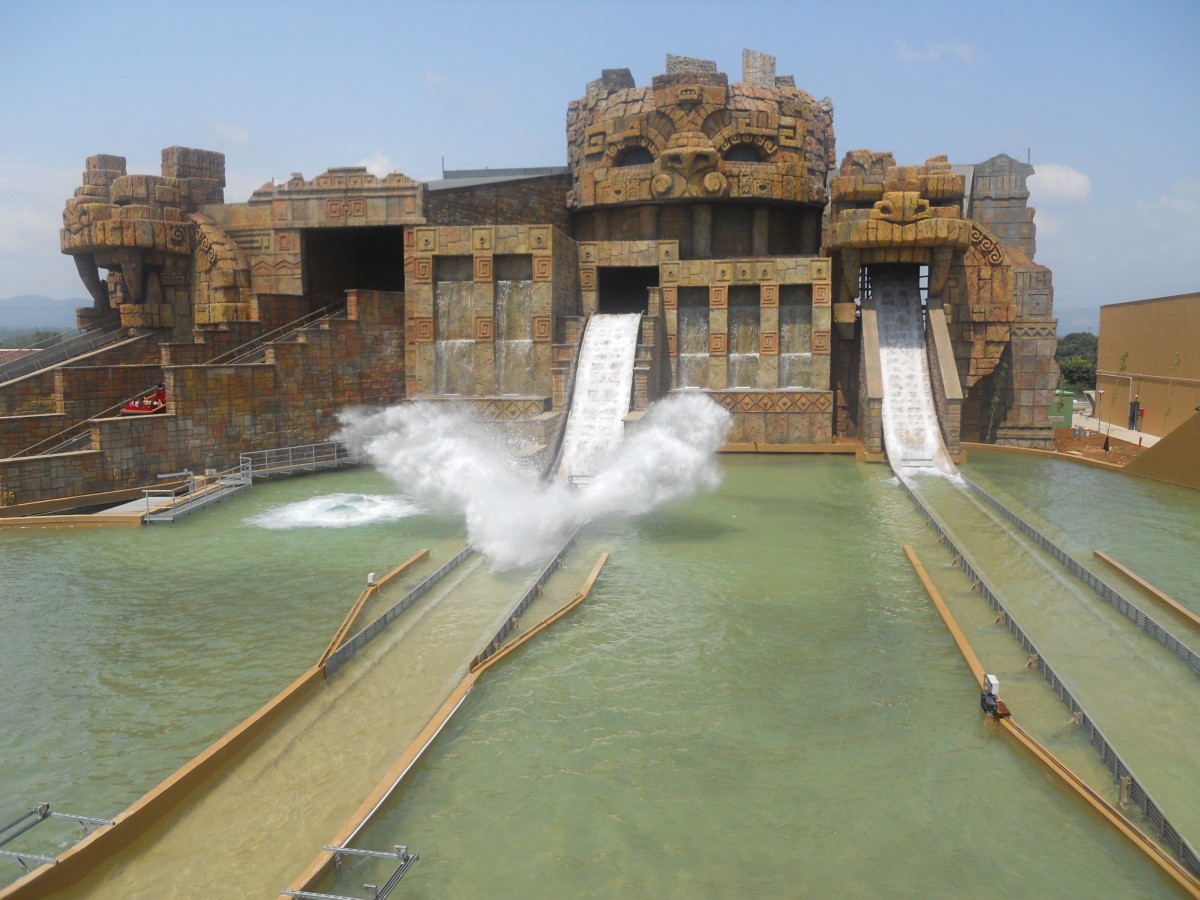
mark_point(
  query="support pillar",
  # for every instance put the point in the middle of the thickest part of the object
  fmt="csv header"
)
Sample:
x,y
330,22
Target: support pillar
x,y
702,231
760,231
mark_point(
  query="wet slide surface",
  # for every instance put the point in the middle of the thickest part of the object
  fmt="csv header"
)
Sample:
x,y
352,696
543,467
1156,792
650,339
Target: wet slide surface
x,y
263,819
912,437
603,382
1140,694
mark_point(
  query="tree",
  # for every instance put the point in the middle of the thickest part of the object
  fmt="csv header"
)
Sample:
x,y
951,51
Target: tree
x,y
1077,373
1078,343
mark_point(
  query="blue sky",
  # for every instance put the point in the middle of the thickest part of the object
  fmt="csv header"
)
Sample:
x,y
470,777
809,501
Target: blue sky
x,y
1104,98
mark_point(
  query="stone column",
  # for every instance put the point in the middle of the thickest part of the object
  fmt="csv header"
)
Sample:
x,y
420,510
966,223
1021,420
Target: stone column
x,y
760,231
810,232
649,223
603,220
702,231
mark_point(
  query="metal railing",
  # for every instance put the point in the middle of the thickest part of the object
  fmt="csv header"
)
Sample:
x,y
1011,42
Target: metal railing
x,y
1120,771
167,504
38,815
55,350
405,859
251,347
535,590
71,436
354,645
1110,594
305,457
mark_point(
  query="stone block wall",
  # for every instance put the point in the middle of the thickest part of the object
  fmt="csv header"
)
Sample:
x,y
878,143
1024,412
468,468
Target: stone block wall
x,y
999,198
18,433
216,412
32,395
778,417
531,201
446,252
26,479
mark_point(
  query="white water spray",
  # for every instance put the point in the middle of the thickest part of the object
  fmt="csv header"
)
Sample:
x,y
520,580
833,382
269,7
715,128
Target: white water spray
x,y
336,511
445,462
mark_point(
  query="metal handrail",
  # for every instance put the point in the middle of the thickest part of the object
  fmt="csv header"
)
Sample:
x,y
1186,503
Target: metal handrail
x,y
281,460
43,344
262,340
13,361
72,431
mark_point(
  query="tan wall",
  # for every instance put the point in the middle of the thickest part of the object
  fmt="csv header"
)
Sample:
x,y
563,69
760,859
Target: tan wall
x,y
1153,331
216,412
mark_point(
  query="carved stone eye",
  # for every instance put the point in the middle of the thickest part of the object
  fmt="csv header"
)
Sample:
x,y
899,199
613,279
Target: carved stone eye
x,y
634,156
743,153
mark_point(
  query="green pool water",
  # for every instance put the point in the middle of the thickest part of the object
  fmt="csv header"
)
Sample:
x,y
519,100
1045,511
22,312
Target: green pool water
x,y
758,699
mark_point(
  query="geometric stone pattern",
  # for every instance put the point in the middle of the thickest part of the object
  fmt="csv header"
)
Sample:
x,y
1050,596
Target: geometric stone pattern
x,y
692,135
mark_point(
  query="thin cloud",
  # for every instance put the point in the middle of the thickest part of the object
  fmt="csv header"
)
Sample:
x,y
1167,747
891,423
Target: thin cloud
x,y
1184,200
955,50
1055,184
377,164
457,96
232,133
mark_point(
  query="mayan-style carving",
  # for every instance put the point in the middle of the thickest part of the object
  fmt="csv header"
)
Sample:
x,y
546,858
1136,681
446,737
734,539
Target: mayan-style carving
x,y
692,135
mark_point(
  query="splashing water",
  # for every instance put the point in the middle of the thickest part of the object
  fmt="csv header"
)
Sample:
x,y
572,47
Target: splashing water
x,y
446,462
336,511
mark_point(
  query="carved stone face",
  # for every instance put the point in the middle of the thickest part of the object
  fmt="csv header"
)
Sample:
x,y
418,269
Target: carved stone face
x,y
693,136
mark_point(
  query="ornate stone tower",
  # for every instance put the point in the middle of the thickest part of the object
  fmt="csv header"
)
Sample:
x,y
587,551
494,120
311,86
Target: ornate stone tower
x,y
699,202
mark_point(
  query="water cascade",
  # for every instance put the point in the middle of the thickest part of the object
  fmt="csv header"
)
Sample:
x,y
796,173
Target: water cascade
x,y
795,345
911,434
743,345
693,346
514,337
454,348
603,383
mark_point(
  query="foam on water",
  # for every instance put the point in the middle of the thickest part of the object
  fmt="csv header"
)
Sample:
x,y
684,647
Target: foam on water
x,y
336,511
445,462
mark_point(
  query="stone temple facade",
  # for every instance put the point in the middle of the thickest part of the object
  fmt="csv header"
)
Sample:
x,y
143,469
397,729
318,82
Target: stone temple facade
x,y
718,210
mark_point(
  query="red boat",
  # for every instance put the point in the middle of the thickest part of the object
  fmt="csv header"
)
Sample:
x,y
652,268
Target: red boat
x,y
147,405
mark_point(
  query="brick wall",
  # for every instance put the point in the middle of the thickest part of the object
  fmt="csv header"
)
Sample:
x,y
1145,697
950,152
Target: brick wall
x,y
217,412
531,202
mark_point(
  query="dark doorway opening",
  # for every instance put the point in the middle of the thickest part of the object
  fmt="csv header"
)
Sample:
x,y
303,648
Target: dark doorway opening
x,y
623,289
340,259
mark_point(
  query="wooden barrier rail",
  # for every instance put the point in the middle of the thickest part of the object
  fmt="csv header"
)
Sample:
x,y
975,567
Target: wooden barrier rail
x,y
106,841
320,865
1174,605
1108,812
348,622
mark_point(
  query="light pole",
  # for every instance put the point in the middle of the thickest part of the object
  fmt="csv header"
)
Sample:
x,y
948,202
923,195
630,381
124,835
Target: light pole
x,y
1099,403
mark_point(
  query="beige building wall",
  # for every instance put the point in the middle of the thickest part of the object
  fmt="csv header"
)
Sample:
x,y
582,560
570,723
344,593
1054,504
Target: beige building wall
x,y
1150,352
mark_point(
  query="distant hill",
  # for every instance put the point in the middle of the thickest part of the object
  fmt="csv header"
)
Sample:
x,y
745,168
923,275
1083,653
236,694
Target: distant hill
x,y
1072,320
37,311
